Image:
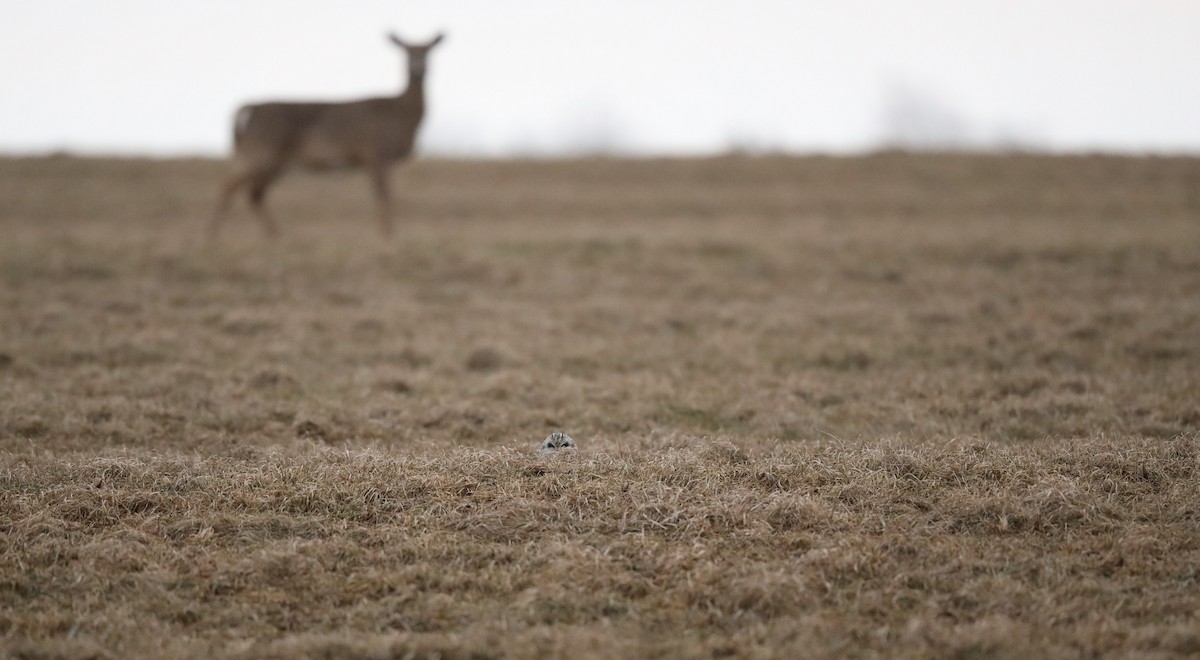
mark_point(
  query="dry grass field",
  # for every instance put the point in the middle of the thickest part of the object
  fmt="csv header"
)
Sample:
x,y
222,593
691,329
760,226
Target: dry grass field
x,y
896,405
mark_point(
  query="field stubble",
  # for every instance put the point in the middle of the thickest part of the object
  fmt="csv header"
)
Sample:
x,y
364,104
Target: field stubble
x,y
893,404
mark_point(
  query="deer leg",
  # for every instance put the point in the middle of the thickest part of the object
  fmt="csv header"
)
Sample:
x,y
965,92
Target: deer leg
x,y
228,190
379,179
258,198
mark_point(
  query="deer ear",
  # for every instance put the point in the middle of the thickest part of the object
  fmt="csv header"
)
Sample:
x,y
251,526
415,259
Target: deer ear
x,y
397,40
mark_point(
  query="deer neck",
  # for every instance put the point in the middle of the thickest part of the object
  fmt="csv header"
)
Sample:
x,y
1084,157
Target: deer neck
x,y
415,91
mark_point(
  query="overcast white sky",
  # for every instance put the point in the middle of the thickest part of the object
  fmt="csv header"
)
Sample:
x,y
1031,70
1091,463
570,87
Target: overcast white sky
x,y
666,76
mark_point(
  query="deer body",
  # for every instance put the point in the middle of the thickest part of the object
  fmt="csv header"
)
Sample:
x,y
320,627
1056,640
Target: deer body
x,y
374,134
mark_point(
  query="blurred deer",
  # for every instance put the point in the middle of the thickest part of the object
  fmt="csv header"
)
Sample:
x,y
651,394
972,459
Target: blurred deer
x,y
370,133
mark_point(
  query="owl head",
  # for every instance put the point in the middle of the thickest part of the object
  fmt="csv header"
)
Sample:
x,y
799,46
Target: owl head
x,y
555,442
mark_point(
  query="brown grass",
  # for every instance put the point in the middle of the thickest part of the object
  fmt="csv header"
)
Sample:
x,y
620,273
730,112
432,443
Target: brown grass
x,y
895,405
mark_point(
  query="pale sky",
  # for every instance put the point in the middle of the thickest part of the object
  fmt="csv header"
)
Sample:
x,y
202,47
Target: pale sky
x,y
645,77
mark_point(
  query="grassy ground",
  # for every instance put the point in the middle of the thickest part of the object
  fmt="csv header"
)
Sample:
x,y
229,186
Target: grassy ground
x,y
895,405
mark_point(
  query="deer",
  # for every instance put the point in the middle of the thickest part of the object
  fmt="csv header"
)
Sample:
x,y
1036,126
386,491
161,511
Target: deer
x,y
372,134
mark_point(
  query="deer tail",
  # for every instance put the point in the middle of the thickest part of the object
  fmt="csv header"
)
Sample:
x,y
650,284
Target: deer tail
x,y
240,121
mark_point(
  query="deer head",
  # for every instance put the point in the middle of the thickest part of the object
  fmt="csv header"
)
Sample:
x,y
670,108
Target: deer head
x,y
417,53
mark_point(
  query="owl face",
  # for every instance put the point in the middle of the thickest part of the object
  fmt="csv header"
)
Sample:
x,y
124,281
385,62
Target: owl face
x,y
555,442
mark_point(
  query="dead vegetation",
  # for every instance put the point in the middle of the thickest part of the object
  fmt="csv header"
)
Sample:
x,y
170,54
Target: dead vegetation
x,y
896,405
